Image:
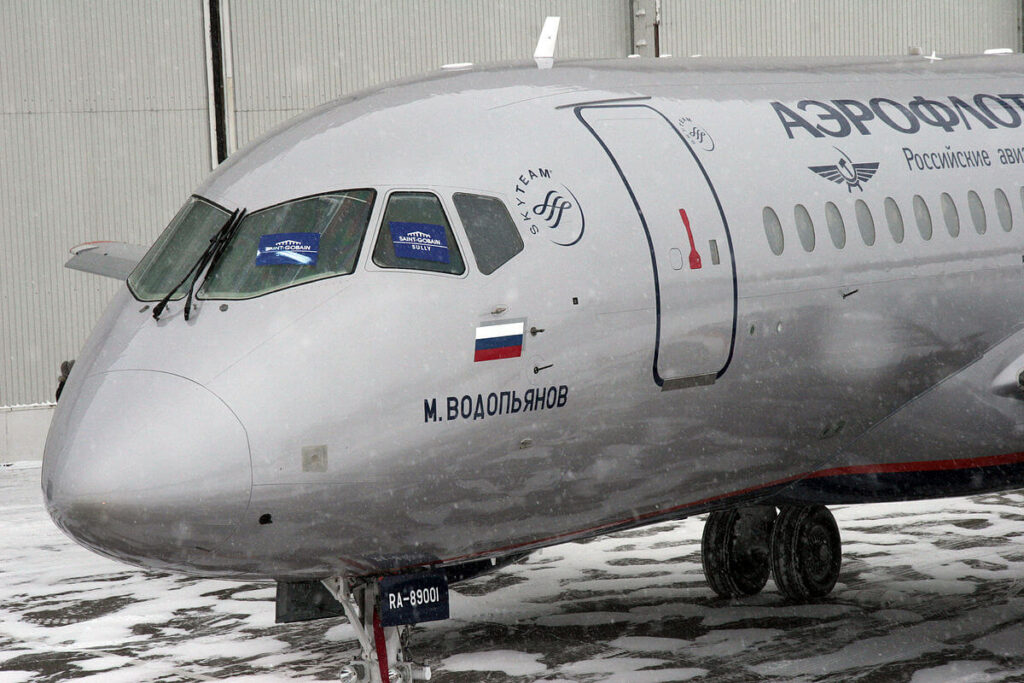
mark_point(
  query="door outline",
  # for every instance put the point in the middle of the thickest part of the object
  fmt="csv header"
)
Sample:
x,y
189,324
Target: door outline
x,y
671,383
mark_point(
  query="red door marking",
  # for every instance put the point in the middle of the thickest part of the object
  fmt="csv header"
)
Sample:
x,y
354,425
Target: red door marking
x,y
694,256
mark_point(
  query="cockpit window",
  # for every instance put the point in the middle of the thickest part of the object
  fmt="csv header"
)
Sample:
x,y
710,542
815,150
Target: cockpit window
x,y
415,234
176,250
492,233
291,244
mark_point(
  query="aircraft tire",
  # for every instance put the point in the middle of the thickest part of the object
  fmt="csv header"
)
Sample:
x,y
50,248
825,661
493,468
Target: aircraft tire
x,y
806,552
735,550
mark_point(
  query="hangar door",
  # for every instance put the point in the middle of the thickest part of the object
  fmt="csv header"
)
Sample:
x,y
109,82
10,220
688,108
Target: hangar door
x,y
686,230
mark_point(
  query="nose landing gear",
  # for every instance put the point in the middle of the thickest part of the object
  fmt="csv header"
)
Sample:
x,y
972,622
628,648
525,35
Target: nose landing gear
x,y
384,659
800,547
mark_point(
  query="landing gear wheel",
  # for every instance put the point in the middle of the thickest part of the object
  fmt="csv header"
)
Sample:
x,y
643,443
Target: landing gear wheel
x,y
735,550
806,552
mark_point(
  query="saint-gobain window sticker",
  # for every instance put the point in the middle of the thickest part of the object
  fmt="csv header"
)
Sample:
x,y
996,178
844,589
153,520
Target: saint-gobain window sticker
x,y
421,241
288,249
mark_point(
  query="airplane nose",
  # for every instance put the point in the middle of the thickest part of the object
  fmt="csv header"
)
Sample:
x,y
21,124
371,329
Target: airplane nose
x,y
147,467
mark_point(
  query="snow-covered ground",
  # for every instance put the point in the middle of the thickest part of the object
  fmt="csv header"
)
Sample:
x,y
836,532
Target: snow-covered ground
x,y
929,592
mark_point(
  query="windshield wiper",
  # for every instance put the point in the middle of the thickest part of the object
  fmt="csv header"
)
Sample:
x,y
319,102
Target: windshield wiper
x,y
209,257
218,251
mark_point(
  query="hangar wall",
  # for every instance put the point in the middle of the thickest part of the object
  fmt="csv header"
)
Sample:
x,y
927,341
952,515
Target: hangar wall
x,y
817,27
286,61
105,105
103,132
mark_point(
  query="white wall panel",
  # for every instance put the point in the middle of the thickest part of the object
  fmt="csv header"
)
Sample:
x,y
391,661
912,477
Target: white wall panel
x,y
290,56
103,134
722,28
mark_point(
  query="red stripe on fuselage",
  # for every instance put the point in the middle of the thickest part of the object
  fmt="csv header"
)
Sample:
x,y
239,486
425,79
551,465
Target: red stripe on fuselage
x,y
921,466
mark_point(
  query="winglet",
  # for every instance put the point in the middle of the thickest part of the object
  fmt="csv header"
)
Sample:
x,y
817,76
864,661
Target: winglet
x,y
544,55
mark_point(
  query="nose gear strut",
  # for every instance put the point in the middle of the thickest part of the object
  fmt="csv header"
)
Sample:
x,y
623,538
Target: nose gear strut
x,y
384,657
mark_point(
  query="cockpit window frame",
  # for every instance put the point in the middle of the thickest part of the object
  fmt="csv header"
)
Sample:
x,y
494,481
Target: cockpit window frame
x,y
178,297
489,267
443,195
375,194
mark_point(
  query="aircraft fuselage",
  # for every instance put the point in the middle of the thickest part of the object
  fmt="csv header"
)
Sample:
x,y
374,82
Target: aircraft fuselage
x,y
665,349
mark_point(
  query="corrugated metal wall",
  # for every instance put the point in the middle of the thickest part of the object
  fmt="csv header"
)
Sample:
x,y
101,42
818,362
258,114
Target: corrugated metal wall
x,y
289,57
103,133
836,27
103,104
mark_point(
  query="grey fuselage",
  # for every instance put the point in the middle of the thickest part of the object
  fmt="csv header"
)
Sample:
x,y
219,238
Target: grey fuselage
x,y
342,427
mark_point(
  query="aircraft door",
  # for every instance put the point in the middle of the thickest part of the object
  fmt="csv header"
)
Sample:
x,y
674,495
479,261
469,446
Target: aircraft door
x,y
686,230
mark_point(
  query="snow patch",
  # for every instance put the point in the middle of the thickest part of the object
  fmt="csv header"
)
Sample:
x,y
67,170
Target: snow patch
x,y
15,676
103,663
961,672
655,676
511,662
616,665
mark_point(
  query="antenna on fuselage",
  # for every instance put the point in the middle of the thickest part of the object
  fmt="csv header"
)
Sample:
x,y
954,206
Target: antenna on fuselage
x,y
544,55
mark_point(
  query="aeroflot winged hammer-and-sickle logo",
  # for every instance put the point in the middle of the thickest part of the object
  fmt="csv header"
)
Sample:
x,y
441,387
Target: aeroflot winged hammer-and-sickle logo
x,y
845,171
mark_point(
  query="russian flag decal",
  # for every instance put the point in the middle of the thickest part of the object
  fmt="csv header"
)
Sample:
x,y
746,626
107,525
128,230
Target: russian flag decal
x,y
501,340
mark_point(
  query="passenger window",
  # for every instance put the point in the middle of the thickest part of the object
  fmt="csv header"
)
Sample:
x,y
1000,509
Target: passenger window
x,y
1003,209
804,227
950,215
865,222
492,234
836,227
415,234
978,210
773,230
923,217
895,219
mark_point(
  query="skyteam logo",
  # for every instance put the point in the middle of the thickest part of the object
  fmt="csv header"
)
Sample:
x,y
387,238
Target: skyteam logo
x,y
289,248
422,241
548,207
